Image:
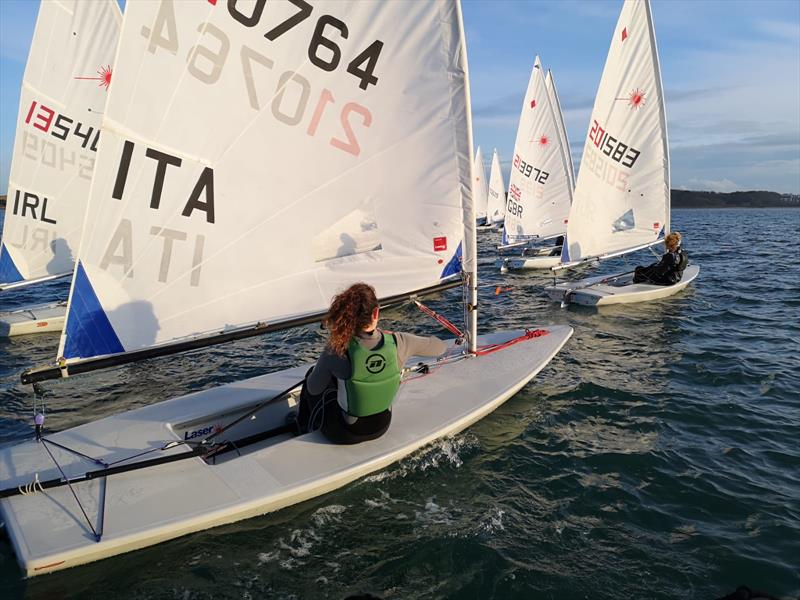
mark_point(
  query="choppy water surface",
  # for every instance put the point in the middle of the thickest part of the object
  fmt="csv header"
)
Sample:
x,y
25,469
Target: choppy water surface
x,y
656,457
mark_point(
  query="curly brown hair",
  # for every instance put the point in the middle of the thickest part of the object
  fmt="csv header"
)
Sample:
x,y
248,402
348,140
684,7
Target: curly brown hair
x,y
672,241
350,312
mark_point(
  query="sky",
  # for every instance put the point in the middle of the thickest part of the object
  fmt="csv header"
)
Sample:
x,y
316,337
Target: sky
x,y
731,73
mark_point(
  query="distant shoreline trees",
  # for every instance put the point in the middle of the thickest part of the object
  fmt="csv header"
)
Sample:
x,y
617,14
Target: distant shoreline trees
x,y
696,199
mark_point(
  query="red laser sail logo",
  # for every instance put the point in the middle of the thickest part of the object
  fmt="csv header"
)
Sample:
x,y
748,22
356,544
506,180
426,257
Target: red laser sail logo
x,y
103,76
636,99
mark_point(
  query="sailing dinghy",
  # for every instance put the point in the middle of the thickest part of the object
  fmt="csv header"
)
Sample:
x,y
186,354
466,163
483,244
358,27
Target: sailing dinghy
x,y
188,212
63,94
496,208
540,188
481,191
622,199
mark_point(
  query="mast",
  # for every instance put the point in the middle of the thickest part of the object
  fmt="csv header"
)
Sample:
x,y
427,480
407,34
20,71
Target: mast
x,y
663,113
470,264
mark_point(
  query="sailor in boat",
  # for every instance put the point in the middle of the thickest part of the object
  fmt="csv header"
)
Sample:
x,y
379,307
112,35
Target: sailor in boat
x,y
348,394
669,269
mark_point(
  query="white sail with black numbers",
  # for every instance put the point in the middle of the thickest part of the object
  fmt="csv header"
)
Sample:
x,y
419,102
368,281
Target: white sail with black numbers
x,y
480,187
539,190
64,91
496,209
622,195
229,119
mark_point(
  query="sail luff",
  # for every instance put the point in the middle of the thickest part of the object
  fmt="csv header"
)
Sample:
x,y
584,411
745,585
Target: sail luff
x,y
563,128
662,114
468,202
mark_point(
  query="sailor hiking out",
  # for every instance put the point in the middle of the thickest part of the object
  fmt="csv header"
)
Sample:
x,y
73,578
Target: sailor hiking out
x,y
669,270
349,392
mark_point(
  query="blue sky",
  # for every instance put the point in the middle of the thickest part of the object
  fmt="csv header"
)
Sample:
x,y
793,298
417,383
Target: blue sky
x,y
731,71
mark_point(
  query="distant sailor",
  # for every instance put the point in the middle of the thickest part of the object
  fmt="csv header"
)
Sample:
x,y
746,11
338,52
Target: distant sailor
x,y
349,392
669,269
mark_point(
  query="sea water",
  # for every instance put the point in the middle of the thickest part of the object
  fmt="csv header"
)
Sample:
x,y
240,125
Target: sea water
x,y
657,456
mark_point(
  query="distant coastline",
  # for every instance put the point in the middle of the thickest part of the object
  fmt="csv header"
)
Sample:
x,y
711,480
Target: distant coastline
x,y
752,199
693,199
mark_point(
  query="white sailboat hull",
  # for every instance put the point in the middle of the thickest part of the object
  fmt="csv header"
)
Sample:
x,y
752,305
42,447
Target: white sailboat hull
x,y
610,289
151,505
542,260
37,318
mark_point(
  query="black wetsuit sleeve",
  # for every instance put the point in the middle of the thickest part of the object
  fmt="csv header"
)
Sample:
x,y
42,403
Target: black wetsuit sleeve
x,y
665,265
329,365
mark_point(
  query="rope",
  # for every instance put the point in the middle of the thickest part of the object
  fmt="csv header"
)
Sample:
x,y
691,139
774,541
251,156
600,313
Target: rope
x,y
440,318
528,335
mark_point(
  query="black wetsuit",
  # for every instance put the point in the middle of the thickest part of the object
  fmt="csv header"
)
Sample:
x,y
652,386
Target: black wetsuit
x,y
667,271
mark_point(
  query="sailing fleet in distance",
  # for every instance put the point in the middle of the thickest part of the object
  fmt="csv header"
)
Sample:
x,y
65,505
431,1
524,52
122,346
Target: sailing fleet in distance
x,y
173,236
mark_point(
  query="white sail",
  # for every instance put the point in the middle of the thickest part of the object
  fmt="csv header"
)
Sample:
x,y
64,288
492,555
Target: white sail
x,y
63,96
228,120
496,209
563,138
622,195
480,187
539,190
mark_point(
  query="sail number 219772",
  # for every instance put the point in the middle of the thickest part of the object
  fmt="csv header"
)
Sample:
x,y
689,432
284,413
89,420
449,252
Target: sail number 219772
x,y
209,56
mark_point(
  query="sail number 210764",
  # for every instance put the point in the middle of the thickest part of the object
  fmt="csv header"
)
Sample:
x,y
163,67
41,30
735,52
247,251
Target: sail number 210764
x,y
207,59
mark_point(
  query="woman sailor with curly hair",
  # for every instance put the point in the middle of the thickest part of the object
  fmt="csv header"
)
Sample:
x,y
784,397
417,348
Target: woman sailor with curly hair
x,y
349,392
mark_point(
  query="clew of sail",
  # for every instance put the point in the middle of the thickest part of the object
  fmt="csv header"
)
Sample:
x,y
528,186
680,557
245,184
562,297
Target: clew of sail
x,y
622,195
539,190
256,160
480,187
63,95
496,210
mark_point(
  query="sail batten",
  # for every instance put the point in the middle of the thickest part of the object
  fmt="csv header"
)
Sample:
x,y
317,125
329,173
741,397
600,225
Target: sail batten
x,y
622,194
277,170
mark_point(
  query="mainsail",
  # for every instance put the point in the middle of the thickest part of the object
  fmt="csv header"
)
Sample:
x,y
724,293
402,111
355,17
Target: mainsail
x,y
563,138
496,210
228,120
480,187
622,195
539,190
63,96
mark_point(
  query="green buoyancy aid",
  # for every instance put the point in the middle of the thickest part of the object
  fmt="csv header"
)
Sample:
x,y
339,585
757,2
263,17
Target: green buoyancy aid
x,y
376,377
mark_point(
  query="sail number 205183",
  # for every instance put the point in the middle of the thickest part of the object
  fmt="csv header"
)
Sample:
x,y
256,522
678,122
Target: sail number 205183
x,y
289,100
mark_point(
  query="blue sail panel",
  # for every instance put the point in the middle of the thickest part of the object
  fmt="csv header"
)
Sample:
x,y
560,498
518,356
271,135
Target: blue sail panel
x,y
565,250
89,332
454,266
9,273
